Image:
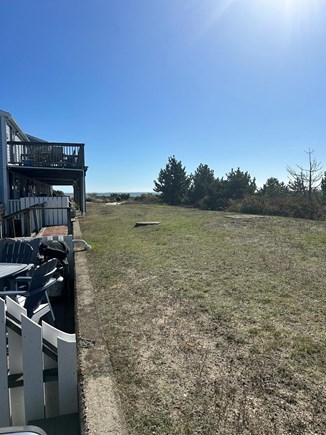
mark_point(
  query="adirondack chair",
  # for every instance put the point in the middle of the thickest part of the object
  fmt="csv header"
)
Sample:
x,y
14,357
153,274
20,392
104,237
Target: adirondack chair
x,y
15,251
31,291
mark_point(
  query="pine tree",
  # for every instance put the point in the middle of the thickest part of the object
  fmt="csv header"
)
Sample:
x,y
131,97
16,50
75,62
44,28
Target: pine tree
x,y
172,182
239,184
201,184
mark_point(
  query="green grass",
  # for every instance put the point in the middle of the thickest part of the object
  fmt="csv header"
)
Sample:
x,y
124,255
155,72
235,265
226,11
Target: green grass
x,y
215,322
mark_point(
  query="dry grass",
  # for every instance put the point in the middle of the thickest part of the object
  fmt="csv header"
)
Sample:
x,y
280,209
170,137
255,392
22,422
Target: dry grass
x,y
215,322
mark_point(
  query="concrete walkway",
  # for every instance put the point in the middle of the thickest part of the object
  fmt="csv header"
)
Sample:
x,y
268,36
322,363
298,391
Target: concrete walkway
x,y
100,407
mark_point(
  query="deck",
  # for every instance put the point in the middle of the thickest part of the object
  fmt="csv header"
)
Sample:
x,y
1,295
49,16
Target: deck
x,y
55,230
46,154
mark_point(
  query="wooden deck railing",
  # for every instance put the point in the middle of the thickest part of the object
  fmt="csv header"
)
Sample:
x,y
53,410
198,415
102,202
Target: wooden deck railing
x,y
35,213
46,154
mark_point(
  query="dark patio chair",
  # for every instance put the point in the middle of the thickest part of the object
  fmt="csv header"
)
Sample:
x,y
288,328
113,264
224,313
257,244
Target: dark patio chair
x,y
31,291
15,251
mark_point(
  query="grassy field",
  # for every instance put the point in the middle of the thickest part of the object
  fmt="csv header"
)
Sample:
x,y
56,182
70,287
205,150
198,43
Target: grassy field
x,y
215,322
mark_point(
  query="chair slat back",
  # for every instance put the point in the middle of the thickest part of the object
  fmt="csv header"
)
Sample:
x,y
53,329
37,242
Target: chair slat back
x,y
16,251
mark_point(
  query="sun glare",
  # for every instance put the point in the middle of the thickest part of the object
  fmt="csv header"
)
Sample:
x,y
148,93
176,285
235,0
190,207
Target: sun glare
x,y
292,17
292,13
292,9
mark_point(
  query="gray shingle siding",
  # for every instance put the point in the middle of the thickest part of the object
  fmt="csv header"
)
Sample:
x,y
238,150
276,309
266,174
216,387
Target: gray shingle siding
x,y
4,193
3,145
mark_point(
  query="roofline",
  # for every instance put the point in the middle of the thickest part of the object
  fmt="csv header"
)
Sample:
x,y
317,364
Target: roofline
x,y
35,139
3,113
8,115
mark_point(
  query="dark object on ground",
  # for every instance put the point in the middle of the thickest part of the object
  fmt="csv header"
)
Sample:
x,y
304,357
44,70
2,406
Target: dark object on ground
x,y
118,199
54,249
143,224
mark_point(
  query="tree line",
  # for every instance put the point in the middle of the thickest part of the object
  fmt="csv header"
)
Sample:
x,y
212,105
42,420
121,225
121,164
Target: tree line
x,y
304,196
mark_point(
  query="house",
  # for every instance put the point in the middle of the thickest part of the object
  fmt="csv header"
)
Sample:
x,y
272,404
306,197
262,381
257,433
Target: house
x,y
29,167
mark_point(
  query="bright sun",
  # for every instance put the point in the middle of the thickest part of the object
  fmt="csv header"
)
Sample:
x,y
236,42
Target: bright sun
x,y
292,9
291,16
287,10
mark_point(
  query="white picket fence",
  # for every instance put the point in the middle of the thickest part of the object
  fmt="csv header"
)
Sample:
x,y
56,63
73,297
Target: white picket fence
x,y
38,368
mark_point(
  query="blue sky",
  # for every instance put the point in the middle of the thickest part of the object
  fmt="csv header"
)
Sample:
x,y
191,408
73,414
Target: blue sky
x,y
224,82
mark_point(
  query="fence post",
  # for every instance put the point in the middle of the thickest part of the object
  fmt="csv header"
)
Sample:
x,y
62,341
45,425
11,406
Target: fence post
x,y
67,367
4,391
36,225
67,377
15,367
33,369
16,364
69,223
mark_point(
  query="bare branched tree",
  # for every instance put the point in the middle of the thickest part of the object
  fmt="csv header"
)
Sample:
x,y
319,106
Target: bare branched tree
x,y
304,180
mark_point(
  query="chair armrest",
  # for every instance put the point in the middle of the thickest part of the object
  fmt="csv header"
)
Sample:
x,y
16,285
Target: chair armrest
x,y
41,289
13,293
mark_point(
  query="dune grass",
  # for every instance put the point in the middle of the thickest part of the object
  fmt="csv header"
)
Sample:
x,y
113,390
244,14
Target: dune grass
x,y
215,322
